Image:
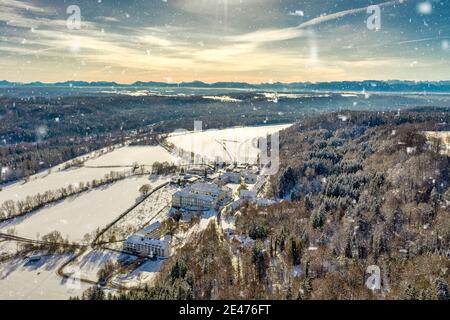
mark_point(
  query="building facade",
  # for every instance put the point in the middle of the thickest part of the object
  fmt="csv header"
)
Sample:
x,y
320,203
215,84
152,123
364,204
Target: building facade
x,y
186,199
147,247
200,196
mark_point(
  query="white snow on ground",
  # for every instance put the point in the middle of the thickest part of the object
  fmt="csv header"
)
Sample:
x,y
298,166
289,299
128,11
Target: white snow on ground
x,y
43,175
127,156
271,95
297,271
222,98
205,220
182,238
151,210
8,247
154,208
20,279
234,144
88,264
54,181
228,222
78,215
144,274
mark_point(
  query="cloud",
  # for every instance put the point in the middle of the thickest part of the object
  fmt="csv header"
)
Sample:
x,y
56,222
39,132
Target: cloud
x,y
107,19
268,35
422,40
20,5
156,41
341,14
296,32
22,14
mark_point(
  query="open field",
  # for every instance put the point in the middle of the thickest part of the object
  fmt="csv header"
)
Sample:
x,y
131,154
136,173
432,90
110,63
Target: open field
x,y
8,247
96,168
53,181
82,214
127,156
229,145
91,262
144,274
20,279
151,210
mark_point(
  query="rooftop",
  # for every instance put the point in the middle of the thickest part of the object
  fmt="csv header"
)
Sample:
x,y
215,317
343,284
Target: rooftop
x,y
205,187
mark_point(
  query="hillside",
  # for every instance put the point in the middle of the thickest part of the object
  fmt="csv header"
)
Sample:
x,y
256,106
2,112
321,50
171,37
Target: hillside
x,y
360,190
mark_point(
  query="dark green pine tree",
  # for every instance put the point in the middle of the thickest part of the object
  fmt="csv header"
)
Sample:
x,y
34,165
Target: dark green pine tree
x,y
434,199
442,290
295,253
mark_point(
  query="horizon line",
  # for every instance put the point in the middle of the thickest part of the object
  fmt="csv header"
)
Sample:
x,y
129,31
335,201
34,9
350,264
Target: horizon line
x,y
218,82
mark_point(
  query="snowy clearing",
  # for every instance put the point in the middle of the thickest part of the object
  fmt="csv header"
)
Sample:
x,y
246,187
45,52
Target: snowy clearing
x,y
53,181
127,156
151,210
145,274
234,144
182,238
20,279
88,264
222,98
9,247
78,215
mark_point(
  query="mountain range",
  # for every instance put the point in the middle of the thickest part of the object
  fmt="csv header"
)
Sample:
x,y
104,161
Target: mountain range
x,y
366,85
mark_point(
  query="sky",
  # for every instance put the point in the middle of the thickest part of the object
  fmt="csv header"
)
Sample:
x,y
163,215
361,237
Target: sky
x,y
255,41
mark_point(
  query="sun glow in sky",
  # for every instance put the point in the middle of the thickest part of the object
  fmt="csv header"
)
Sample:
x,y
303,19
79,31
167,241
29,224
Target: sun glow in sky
x,y
223,40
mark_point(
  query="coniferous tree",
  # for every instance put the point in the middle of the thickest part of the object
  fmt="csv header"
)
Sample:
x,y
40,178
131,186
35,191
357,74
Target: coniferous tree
x,y
442,289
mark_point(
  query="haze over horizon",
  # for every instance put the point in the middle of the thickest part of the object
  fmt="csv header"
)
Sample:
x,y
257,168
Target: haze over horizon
x,y
253,41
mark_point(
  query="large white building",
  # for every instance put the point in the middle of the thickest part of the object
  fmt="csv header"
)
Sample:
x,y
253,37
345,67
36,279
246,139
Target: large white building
x,y
201,196
186,199
148,242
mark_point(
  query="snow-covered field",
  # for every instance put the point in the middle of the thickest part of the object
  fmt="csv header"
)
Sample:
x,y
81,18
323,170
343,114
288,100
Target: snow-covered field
x,y
182,238
127,156
150,211
92,261
78,215
9,247
20,279
145,274
222,98
234,144
53,181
